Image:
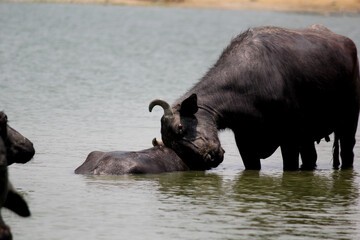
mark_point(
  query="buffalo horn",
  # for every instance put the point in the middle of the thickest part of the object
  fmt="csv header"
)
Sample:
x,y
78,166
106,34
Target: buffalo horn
x,y
163,104
155,142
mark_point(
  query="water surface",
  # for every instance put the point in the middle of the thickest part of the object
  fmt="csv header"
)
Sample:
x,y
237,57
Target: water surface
x,y
78,78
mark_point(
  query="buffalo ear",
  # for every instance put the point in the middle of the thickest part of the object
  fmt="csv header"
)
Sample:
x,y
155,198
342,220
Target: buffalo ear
x,y
189,106
15,203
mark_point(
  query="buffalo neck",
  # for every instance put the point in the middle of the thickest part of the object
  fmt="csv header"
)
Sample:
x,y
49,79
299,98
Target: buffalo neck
x,y
211,114
223,108
208,122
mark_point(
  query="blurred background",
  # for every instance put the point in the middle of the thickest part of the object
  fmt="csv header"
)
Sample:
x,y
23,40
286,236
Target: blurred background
x,y
75,78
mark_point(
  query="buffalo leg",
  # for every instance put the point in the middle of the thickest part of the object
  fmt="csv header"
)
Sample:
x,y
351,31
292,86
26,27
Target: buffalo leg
x,y
250,160
290,154
336,160
347,139
347,144
251,163
308,156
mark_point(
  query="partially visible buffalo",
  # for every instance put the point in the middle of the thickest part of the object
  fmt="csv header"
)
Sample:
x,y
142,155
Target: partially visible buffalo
x,y
13,148
157,159
18,148
273,87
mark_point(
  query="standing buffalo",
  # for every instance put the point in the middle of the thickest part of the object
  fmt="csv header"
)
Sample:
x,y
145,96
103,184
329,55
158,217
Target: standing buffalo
x,y
157,159
14,148
273,87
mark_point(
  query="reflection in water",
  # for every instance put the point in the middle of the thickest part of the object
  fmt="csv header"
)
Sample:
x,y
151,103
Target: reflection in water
x,y
192,184
300,203
78,78
313,205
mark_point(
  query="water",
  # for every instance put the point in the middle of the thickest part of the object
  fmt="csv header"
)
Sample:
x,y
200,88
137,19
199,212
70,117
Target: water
x,y
78,78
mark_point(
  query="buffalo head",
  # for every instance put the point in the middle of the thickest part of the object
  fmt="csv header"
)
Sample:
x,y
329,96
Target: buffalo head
x,y
191,133
18,148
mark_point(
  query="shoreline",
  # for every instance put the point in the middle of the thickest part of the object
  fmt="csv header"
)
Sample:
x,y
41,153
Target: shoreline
x,y
323,7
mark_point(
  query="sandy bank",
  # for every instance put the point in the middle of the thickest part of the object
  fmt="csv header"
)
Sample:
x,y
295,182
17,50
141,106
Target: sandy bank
x,y
319,6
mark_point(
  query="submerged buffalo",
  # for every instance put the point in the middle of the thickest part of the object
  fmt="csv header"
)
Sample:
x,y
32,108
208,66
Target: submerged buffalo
x,y
14,148
157,159
273,87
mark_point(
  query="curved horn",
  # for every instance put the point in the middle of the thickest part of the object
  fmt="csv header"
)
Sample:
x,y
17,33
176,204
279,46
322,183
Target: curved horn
x,y
155,142
163,104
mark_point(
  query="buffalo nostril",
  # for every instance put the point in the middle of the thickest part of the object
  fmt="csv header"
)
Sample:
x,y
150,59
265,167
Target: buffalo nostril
x,y
209,158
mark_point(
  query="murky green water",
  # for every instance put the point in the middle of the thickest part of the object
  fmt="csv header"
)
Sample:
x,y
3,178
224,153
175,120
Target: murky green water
x,y
78,78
